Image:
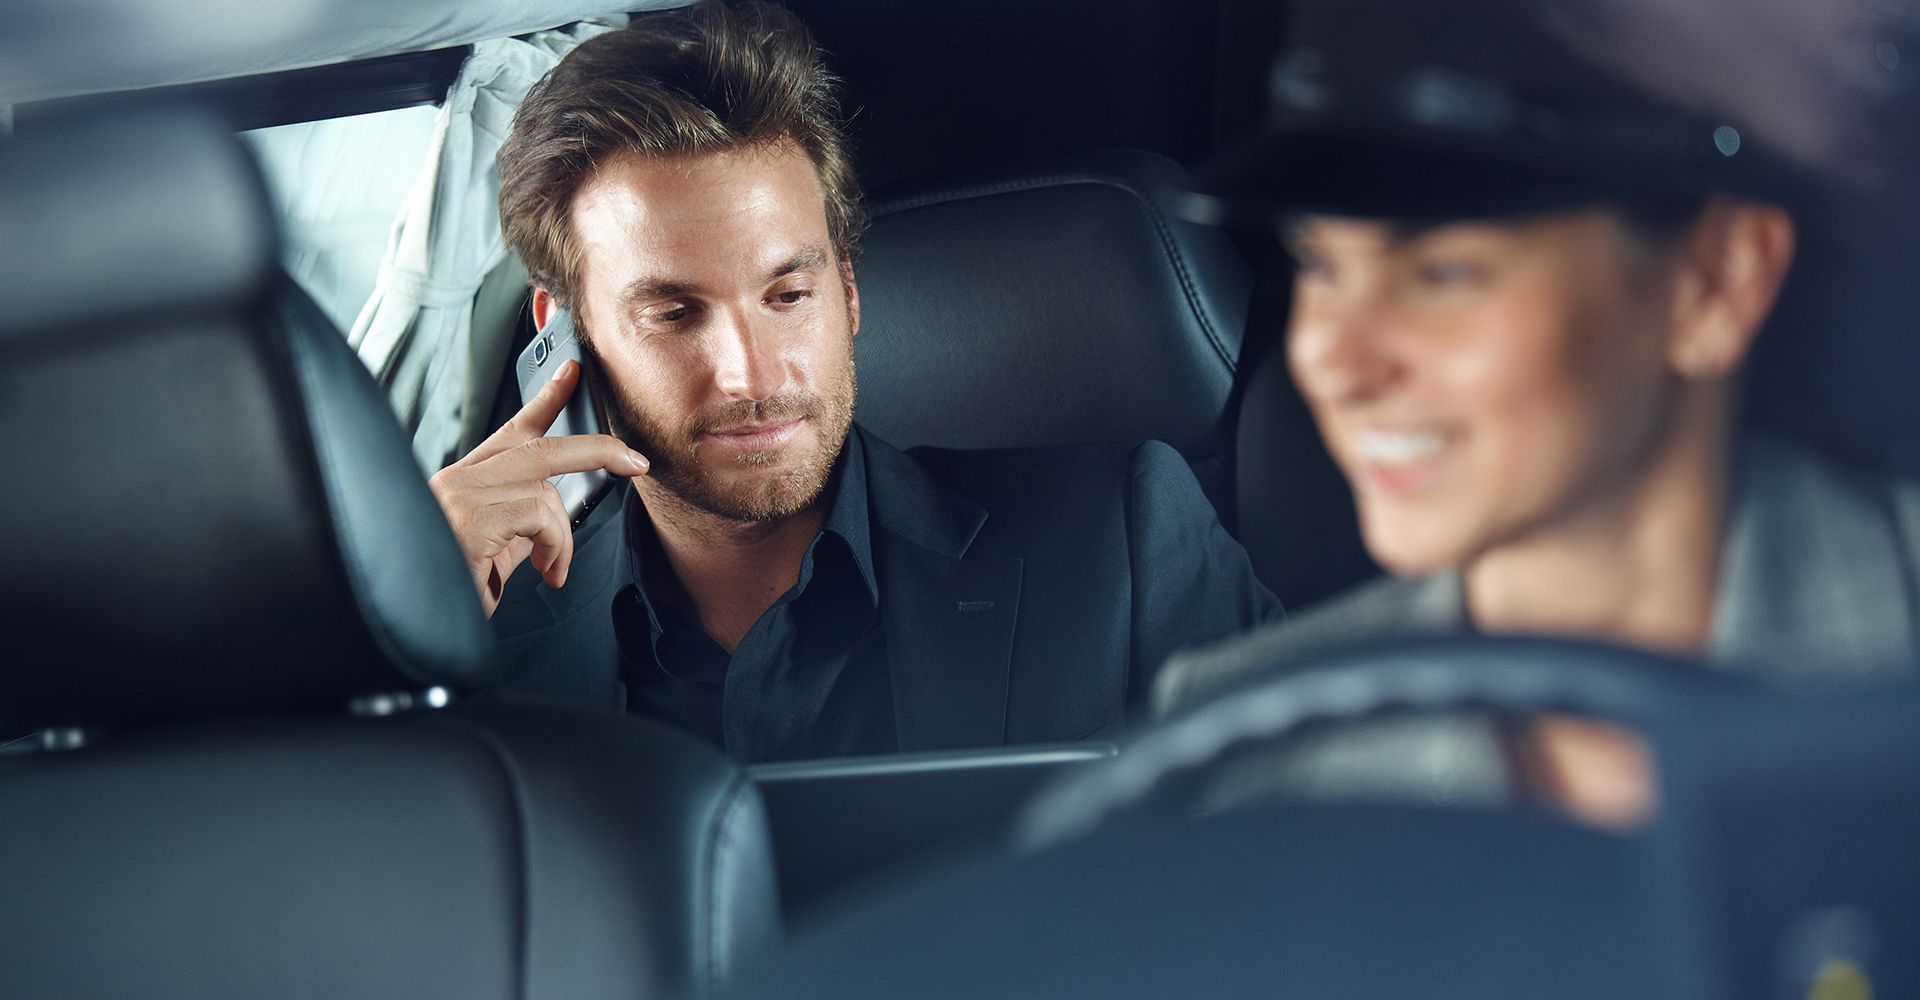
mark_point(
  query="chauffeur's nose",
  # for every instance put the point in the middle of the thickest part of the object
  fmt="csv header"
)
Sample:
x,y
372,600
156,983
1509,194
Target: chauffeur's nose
x,y
1341,352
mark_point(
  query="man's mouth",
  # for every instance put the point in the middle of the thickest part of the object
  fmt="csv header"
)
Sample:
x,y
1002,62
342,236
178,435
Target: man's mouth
x,y
759,436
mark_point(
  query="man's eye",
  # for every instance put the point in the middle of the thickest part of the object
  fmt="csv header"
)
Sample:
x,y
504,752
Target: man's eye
x,y
675,315
793,296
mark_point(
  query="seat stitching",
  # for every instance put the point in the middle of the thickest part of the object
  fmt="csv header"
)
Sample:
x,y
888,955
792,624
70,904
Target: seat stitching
x,y
523,837
705,909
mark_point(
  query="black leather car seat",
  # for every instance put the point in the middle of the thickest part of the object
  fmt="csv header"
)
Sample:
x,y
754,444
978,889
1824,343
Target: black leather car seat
x,y
234,612
1061,303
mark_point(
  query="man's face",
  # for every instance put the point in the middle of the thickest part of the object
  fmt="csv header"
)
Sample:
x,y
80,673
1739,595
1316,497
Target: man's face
x,y
723,322
1480,382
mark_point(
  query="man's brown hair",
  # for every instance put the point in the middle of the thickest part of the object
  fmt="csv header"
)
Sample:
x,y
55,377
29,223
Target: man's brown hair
x,y
715,76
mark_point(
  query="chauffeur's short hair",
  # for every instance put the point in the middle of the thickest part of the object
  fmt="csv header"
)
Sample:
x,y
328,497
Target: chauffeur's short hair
x,y
712,77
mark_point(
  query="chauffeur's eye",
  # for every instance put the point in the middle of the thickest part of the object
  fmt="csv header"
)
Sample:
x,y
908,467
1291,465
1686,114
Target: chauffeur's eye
x,y
1309,266
1449,274
793,296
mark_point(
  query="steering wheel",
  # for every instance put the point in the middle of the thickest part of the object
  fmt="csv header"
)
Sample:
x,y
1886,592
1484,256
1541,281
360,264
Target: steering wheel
x,y
1168,763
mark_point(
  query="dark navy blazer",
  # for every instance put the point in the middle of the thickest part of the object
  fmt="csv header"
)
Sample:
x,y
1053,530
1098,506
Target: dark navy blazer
x,y
1026,595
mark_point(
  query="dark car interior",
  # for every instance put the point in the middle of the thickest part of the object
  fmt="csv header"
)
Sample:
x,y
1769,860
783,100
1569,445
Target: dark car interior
x,y
241,757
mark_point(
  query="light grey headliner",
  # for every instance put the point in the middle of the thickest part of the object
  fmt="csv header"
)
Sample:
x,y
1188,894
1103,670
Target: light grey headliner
x,y
58,48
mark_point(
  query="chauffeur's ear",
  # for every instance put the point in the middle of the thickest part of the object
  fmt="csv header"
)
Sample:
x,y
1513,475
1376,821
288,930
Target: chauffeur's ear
x,y
1732,263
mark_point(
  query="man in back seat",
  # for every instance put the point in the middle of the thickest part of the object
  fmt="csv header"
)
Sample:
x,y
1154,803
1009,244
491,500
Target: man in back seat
x,y
778,580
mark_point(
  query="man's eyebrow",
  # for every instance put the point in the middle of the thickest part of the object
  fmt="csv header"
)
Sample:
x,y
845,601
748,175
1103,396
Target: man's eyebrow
x,y
809,259
648,289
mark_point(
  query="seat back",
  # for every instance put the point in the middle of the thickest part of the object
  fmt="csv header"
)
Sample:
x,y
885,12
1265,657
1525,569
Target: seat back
x,y
237,614
1833,367
197,492
1057,304
1343,903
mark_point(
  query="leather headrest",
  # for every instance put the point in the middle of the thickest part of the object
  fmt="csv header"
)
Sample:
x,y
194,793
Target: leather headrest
x,y
1057,305
135,214
209,503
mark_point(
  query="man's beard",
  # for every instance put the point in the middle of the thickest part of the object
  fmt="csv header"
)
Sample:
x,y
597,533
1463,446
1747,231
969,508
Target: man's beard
x,y
769,497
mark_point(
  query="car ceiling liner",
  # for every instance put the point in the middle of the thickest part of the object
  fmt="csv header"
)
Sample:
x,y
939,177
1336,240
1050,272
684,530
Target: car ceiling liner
x,y
52,48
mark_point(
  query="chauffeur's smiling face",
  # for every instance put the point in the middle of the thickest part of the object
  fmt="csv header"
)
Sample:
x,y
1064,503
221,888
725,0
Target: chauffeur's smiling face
x,y
722,318
1478,382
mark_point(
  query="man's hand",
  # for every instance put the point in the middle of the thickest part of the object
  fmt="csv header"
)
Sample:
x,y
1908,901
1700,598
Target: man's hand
x,y
500,504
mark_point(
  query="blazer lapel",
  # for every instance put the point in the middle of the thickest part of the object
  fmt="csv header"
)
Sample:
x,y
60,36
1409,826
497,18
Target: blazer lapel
x,y
948,610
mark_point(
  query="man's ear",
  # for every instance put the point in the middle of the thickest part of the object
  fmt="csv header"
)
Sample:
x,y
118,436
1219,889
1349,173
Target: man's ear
x,y
1733,264
853,296
544,306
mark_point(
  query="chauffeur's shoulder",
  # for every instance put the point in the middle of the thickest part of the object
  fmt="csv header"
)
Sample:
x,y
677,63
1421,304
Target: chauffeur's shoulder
x,y
1389,606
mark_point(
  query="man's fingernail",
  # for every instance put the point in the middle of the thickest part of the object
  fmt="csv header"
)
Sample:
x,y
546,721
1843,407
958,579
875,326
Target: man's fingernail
x,y
562,370
639,461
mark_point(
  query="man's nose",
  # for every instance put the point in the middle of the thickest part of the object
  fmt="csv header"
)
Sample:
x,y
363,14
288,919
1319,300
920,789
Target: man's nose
x,y
747,360
1341,353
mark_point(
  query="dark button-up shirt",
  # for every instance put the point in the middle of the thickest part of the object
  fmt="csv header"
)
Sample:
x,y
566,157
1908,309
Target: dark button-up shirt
x,y
809,679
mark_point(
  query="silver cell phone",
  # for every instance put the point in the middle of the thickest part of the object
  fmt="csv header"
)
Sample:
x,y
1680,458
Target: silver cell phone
x,y
552,347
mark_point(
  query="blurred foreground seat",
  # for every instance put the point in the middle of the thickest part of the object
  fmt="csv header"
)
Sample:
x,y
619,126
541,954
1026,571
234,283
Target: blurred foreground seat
x,y
1783,862
235,615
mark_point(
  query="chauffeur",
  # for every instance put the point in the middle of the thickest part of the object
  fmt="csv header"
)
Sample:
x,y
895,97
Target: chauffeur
x,y
1526,291
777,579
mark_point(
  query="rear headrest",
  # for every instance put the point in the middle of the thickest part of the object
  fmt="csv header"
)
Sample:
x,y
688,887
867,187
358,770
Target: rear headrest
x,y
1056,305
103,218
209,504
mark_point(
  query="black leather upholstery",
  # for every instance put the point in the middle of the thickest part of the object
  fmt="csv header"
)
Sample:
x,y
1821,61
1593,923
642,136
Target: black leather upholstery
x,y
1060,304
1334,904
177,229
1121,893
216,518
478,851
213,514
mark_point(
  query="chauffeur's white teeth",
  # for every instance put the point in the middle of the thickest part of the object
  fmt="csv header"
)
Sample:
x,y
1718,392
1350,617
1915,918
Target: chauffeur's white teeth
x,y
1399,447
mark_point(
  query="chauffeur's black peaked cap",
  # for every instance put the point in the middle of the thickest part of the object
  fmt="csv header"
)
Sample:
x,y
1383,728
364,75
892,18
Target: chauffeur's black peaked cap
x,y
1460,108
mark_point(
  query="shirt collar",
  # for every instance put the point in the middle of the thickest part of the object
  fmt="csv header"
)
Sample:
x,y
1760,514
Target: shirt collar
x,y
847,518
848,515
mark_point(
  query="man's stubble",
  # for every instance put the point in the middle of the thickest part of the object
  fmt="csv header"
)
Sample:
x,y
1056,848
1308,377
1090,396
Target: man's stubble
x,y
675,463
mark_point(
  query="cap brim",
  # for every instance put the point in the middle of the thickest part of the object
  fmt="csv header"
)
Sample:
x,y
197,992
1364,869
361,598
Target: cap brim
x,y
1287,172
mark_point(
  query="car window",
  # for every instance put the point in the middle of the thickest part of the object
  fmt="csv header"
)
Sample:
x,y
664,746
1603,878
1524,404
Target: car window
x,y
337,186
